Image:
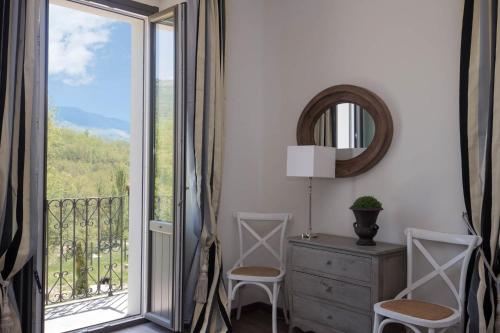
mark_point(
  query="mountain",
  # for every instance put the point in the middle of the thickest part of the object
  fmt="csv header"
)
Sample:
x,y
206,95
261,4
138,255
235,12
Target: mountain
x,y
102,126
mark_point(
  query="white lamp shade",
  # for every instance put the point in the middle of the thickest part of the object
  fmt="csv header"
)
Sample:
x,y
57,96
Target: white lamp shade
x,y
310,161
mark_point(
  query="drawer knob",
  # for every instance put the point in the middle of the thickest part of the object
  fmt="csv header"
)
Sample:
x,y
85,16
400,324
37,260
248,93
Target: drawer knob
x,y
328,263
329,317
327,287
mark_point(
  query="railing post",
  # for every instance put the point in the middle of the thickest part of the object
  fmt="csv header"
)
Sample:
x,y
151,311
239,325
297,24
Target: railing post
x,y
121,242
99,246
110,240
60,249
86,247
74,249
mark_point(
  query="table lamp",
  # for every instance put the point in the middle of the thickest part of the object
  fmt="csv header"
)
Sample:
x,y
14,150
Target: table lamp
x,y
310,162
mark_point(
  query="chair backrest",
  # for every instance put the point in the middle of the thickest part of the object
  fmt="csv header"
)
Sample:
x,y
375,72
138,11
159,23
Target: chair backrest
x,y
262,240
413,237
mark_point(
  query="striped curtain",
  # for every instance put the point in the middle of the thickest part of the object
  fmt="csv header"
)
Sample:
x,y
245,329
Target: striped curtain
x,y
20,165
210,313
480,147
325,128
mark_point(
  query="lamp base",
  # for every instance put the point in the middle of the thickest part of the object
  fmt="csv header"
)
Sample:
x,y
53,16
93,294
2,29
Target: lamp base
x,y
309,235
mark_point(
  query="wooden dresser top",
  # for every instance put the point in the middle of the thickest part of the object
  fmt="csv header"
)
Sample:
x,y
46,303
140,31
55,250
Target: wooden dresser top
x,y
342,243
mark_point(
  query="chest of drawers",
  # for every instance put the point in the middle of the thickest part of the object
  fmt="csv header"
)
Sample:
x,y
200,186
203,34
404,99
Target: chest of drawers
x,y
332,283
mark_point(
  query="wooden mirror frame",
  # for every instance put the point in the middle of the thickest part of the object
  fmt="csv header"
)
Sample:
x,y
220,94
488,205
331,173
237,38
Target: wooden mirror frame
x,y
373,104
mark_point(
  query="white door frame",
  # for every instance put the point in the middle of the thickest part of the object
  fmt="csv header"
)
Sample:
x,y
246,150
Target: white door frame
x,y
138,148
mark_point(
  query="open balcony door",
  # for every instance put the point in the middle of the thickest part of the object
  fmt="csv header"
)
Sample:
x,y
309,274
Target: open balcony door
x,y
166,160
91,244
157,180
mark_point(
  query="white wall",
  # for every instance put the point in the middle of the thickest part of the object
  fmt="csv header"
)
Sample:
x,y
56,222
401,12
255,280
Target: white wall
x,y
164,4
280,53
151,2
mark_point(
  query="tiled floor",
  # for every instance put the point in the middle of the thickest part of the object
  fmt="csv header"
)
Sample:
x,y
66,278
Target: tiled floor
x,y
77,314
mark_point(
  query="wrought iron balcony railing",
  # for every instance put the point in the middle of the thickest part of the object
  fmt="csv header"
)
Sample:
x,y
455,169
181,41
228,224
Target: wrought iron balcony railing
x,y
86,247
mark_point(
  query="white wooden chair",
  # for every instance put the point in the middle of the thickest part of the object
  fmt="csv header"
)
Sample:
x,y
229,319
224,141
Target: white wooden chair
x,y
416,314
259,275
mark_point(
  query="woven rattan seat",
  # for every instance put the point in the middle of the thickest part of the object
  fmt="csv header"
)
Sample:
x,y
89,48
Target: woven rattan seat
x,y
418,309
256,271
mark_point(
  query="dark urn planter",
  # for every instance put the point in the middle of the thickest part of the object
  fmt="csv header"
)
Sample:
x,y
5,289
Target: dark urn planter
x,y
365,226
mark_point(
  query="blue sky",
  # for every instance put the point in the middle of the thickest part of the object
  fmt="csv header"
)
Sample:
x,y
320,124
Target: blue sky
x,y
90,62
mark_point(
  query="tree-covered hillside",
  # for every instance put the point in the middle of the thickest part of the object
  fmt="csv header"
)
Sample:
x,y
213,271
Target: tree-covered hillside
x,y
84,165
81,164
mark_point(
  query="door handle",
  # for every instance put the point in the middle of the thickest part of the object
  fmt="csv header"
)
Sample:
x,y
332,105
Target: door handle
x,y
161,227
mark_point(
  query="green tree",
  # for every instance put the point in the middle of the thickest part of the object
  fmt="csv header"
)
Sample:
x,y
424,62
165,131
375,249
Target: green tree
x,y
82,282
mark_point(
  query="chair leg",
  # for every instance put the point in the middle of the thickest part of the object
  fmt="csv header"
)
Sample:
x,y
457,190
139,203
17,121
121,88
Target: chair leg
x,y
376,322
229,295
285,305
240,297
275,305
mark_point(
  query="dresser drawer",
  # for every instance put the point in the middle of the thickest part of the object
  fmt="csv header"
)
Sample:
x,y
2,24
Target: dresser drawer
x,y
332,316
332,290
337,263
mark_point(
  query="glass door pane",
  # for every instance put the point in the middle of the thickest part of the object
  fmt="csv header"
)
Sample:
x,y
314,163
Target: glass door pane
x,y
164,120
166,171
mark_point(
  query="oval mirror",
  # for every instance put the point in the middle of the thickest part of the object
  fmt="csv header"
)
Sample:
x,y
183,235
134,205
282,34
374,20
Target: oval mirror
x,y
352,119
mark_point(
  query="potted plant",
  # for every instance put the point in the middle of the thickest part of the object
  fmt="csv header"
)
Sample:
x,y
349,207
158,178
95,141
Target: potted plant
x,y
366,210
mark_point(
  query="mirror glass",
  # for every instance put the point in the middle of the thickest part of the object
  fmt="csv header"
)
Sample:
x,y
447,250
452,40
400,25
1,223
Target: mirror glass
x,y
346,126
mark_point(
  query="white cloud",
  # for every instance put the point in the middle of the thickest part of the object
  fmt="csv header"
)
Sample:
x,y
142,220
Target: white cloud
x,y
74,37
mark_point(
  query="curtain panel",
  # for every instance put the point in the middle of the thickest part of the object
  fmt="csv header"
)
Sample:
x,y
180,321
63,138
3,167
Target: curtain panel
x,y
206,97
21,150
325,128
480,151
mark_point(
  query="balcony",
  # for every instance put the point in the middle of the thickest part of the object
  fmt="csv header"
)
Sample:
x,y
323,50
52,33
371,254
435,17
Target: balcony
x,y
86,261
